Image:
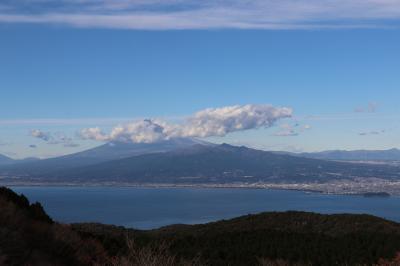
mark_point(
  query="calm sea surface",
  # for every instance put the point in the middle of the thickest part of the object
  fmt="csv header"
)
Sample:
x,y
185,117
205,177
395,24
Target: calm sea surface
x,y
146,208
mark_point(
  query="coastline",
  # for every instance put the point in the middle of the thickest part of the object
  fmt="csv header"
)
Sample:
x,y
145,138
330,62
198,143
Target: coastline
x,y
355,188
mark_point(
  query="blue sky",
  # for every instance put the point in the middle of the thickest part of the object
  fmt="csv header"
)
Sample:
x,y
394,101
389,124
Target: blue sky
x,y
59,77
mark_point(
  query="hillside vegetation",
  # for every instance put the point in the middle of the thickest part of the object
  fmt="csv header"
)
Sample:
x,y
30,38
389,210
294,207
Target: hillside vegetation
x,y
28,236
292,237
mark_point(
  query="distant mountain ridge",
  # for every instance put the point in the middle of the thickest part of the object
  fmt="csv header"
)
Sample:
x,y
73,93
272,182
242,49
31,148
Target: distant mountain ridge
x,y
356,155
5,160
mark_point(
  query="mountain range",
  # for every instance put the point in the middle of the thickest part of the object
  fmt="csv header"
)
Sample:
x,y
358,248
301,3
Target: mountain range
x,y
4,160
106,152
187,161
223,164
356,155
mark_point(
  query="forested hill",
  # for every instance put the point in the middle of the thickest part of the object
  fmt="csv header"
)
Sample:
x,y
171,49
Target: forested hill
x,y
288,238
28,236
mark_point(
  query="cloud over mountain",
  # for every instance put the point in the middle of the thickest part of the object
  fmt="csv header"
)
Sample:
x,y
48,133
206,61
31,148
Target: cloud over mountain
x,y
205,123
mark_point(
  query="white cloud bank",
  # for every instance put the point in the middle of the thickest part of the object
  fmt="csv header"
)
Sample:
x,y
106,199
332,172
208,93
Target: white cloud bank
x,y
207,14
205,123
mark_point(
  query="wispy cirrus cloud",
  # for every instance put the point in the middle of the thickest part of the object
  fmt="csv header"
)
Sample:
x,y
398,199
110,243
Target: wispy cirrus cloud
x,y
289,130
54,138
63,121
286,130
373,132
3,143
207,14
46,136
371,107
